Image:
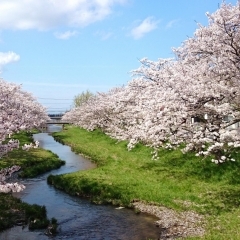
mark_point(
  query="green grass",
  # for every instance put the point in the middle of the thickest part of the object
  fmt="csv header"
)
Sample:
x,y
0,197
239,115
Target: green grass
x,y
123,176
15,212
33,162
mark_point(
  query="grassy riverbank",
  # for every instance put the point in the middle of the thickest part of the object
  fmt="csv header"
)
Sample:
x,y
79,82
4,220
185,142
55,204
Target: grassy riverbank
x,y
33,162
15,212
176,181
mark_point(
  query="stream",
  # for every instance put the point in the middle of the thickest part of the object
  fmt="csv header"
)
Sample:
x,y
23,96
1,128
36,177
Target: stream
x,y
78,218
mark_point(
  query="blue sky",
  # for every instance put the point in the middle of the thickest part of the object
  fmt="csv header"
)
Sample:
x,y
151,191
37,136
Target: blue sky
x,y
58,49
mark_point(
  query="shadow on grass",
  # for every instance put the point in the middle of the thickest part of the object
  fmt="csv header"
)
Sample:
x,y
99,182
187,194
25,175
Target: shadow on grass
x,y
188,165
230,198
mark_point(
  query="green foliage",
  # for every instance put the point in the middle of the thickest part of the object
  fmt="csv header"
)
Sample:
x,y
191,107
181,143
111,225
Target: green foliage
x,y
15,212
178,181
82,98
40,167
33,162
52,227
37,216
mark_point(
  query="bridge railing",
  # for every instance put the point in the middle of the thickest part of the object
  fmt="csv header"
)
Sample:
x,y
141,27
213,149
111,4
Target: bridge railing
x,y
57,121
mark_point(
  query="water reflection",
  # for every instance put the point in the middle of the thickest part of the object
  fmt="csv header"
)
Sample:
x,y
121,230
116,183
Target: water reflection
x,y
78,218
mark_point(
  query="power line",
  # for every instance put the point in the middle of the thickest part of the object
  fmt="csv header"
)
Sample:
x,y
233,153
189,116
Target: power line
x,y
57,111
54,103
56,99
55,108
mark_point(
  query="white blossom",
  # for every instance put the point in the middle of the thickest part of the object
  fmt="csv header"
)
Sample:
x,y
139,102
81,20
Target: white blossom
x,y
19,110
193,99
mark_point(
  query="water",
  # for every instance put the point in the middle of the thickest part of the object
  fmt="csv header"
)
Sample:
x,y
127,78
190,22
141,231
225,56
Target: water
x,y
78,218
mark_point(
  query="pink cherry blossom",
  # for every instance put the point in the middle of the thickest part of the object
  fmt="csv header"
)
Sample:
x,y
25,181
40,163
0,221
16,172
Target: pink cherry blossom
x,y
192,99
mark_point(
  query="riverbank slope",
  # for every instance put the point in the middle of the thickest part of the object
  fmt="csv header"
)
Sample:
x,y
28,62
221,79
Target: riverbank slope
x,y
192,197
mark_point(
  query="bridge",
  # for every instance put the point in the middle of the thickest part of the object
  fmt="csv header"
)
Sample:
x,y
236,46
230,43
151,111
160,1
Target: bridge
x,y
56,116
56,121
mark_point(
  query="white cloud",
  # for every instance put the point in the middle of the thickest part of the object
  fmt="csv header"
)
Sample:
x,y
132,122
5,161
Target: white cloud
x,y
8,57
47,14
172,23
146,26
65,35
104,35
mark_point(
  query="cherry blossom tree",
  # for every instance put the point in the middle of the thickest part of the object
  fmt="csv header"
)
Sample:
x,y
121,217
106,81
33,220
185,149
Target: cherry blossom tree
x,y
213,56
19,110
160,105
